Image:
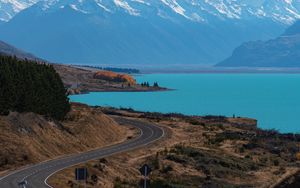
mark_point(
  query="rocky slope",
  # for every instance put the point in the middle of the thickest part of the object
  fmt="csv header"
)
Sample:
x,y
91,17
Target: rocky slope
x,y
283,51
145,32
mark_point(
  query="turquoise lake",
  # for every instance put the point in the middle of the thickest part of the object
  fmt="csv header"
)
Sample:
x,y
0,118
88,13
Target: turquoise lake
x,y
272,99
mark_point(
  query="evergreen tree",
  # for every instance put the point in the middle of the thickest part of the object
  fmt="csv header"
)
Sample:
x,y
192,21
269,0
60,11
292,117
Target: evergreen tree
x,y
28,86
155,84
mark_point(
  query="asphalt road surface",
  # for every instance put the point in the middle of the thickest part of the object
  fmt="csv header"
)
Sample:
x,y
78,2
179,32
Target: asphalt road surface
x,y
37,175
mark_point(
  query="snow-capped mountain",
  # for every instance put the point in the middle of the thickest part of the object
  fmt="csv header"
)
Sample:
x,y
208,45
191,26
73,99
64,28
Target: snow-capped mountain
x,y
145,31
284,11
9,8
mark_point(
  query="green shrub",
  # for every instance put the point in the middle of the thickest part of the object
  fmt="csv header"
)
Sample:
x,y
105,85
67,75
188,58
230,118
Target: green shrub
x,y
242,150
160,184
167,169
276,162
177,159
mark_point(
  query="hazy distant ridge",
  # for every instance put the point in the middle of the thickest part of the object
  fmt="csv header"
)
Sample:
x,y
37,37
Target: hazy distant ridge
x,y
283,51
6,49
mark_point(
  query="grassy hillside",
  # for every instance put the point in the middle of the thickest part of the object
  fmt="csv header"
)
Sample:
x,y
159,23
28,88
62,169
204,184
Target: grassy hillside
x,y
27,138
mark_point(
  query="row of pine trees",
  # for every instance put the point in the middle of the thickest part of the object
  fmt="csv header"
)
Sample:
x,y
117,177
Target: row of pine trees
x,y
27,86
146,84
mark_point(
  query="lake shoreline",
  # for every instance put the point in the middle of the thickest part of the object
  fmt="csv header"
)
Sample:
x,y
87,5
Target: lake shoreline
x,y
265,97
120,90
83,81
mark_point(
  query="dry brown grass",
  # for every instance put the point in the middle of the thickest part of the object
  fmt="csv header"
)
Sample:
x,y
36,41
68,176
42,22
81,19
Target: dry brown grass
x,y
29,138
121,170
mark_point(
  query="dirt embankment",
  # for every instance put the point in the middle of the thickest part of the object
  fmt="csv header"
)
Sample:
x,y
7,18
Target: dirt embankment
x,y
210,151
27,138
80,80
291,181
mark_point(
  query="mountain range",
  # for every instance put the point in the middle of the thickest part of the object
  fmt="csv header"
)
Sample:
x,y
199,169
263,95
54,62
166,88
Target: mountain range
x,y
285,11
142,31
283,51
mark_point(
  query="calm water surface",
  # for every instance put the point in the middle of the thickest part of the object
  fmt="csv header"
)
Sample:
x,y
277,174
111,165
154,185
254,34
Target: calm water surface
x,y
273,99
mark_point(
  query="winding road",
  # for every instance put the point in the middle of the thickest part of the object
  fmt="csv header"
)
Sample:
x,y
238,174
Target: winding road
x,y
37,175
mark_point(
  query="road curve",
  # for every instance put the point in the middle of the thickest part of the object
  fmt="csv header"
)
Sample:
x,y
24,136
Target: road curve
x,y
37,175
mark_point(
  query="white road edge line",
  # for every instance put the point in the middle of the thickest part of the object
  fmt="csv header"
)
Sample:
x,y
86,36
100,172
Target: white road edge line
x,y
45,181
44,162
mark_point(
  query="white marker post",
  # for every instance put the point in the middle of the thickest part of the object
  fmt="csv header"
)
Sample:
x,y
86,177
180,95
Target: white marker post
x,y
23,184
145,176
145,171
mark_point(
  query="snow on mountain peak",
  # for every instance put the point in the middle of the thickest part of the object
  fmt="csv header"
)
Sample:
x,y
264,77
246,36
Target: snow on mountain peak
x,y
9,8
127,7
174,6
283,11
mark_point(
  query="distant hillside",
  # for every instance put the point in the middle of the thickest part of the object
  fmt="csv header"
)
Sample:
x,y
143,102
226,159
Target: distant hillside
x,y
283,51
6,49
